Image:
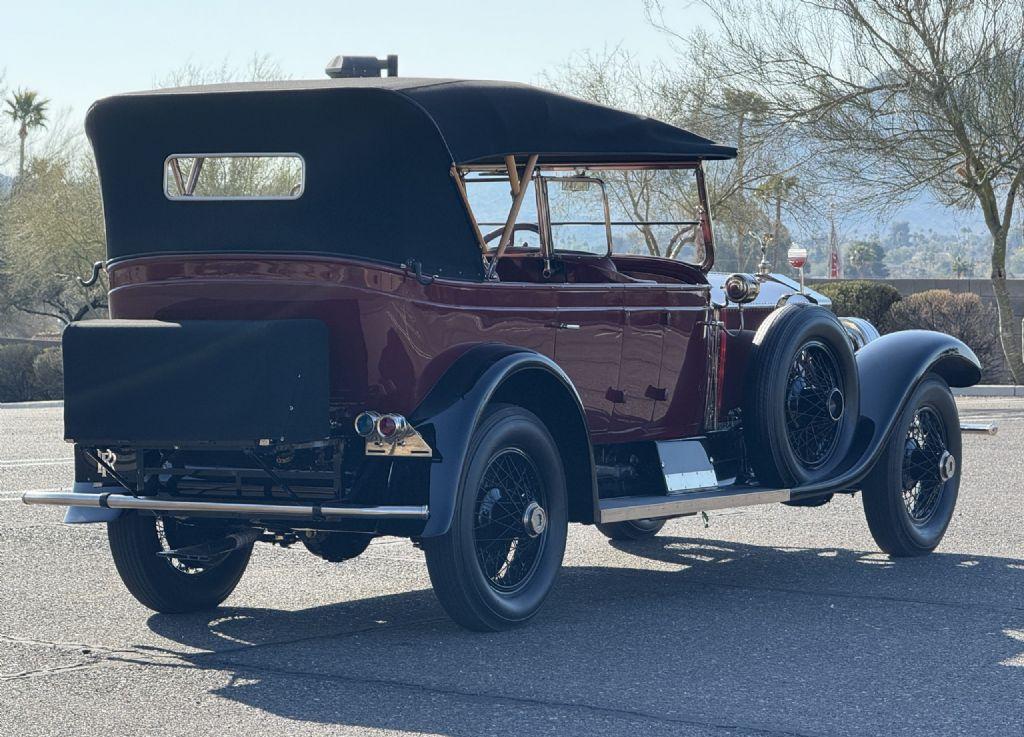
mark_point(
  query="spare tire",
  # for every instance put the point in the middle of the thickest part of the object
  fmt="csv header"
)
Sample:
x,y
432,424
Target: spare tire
x,y
802,396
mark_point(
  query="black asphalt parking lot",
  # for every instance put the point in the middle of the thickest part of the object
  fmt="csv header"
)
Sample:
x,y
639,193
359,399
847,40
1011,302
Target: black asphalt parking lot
x,y
770,621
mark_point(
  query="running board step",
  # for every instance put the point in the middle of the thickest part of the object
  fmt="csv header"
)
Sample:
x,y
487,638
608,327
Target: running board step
x,y
621,509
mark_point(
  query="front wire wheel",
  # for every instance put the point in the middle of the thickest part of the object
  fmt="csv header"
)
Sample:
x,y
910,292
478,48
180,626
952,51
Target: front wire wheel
x,y
910,495
495,566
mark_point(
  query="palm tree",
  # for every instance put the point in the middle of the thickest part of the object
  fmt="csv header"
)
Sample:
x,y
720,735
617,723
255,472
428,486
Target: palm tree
x,y
28,111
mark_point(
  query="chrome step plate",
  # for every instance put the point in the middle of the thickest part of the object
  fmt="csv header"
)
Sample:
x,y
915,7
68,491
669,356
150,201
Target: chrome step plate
x,y
621,509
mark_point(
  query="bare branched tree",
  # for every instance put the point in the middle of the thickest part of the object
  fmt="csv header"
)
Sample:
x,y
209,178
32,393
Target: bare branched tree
x,y
686,94
899,96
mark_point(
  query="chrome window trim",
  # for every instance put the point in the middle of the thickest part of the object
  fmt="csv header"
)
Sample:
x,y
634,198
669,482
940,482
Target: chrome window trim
x,y
187,196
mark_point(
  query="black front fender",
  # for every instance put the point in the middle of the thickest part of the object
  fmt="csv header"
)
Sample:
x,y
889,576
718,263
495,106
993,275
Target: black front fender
x,y
452,410
890,368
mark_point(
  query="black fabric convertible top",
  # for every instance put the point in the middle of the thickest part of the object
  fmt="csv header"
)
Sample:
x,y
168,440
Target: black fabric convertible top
x,y
377,153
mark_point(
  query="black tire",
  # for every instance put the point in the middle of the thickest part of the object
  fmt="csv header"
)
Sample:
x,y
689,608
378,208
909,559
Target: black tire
x,y
802,396
166,585
336,547
907,501
636,529
513,461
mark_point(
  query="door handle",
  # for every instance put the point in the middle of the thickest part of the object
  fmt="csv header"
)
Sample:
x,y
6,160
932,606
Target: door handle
x,y
657,393
615,396
567,325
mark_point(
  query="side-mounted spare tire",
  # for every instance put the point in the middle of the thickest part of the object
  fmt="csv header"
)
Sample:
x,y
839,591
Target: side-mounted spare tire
x,y
802,396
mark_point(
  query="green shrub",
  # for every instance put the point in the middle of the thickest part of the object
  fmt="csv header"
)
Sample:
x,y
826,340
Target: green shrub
x,y
962,315
48,370
17,374
870,300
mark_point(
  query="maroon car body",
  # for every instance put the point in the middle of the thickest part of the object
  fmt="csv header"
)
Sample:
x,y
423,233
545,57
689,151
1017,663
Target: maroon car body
x,y
392,337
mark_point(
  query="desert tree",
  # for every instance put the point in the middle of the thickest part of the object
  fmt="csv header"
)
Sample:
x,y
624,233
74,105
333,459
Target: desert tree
x,y
28,111
51,232
898,96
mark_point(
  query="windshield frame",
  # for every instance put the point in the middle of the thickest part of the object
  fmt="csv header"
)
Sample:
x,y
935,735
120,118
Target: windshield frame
x,y
540,176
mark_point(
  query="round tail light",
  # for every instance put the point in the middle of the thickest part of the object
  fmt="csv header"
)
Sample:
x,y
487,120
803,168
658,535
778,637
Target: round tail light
x,y
366,422
391,426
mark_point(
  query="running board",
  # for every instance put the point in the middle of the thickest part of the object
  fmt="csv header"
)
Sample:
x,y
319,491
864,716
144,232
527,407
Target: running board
x,y
622,509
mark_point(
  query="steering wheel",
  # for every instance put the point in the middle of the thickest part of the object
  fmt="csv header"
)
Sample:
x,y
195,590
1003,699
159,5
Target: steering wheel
x,y
532,227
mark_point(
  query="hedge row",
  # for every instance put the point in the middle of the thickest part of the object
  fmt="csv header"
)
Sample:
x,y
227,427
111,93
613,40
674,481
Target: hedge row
x,y
29,372
962,315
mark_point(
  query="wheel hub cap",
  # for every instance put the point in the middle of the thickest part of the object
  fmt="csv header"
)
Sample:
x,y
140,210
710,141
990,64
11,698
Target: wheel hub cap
x,y
535,519
947,466
835,405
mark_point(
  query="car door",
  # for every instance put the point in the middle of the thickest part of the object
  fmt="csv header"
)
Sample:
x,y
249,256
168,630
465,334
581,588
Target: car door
x,y
639,383
682,382
588,347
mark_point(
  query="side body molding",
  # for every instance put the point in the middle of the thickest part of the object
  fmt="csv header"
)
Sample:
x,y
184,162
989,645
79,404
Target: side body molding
x,y
495,372
890,369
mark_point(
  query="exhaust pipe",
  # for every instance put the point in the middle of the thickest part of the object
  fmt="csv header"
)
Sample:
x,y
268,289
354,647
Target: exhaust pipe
x,y
215,551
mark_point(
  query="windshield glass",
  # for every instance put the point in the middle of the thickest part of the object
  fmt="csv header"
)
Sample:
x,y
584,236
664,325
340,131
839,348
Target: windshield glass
x,y
650,212
654,212
490,198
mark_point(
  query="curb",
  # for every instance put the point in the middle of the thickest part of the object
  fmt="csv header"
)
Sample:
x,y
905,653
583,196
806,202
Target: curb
x,y
46,403
990,390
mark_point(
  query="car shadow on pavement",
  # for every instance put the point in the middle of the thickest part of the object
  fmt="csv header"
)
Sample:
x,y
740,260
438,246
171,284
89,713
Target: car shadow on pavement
x,y
708,636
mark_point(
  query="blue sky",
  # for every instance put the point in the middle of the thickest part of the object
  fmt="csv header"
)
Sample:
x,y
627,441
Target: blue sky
x,y
76,52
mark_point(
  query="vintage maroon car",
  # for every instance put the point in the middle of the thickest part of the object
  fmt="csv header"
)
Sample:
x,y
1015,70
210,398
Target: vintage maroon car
x,y
318,335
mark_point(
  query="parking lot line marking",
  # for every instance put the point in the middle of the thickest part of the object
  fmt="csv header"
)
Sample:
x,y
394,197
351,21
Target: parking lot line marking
x,y
16,493
22,462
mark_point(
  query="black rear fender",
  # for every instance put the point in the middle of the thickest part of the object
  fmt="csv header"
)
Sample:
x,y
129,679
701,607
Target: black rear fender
x,y
491,373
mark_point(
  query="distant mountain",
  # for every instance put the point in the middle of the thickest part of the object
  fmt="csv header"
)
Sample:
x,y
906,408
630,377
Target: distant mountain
x,y
923,214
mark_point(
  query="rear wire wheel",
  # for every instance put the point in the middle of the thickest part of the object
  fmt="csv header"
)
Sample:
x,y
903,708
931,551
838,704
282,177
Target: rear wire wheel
x,y
168,584
911,493
494,567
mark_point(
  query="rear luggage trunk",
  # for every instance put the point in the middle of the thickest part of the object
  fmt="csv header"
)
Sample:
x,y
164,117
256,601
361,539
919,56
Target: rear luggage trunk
x,y
233,382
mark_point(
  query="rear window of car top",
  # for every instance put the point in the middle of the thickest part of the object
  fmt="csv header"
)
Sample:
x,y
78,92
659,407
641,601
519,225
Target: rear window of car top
x,y
234,176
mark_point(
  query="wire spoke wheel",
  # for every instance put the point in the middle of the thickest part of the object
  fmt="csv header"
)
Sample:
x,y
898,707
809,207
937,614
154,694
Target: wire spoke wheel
x,y
814,404
925,463
911,493
173,534
499,558
509,520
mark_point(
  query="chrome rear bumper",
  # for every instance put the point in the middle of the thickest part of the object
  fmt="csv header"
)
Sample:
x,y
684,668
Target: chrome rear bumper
x,y
248,510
